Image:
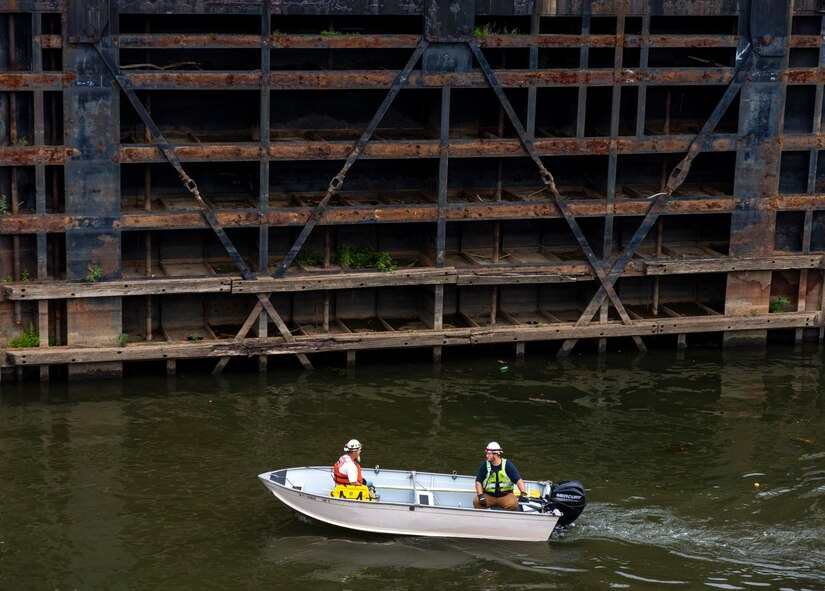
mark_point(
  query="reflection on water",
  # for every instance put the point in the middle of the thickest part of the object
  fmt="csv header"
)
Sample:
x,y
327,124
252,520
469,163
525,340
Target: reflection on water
x,y
704,471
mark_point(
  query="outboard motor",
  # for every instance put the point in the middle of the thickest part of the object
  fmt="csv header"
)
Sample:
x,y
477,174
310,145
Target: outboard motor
x,y
568,497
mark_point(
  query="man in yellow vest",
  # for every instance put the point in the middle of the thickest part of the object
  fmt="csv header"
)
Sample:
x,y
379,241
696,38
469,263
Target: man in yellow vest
x,y
494,481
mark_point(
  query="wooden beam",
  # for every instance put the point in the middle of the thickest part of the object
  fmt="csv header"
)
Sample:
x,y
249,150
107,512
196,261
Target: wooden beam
x,y
66,290
710,311
356,280
401,340
730,264
250,320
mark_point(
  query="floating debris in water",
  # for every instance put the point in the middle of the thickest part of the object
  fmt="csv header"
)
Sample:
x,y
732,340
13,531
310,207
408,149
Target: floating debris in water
x,y
676,447
807,442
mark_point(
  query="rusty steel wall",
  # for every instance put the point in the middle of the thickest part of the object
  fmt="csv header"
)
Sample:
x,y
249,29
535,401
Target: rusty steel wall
x,y
177,174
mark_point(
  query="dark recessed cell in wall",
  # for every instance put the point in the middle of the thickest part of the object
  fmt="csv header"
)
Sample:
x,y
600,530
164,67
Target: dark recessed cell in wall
x,y
793,173
819,182
799,109
189,24
804,57
631,57
560,25
597,118
602,25
818,231
200,59
789,227
693,25
722,57
195,117
628,109
600,58
675,110
633,25
318,24
556,110
641,175
806,25
559,58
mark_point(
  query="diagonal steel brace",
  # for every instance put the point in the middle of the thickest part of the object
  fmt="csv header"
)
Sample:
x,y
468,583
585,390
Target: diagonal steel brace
x,y
355,152
675,180
549,182
525,140
168,152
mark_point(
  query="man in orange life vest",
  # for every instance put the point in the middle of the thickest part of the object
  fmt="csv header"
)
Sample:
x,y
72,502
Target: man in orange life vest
x,y
347,470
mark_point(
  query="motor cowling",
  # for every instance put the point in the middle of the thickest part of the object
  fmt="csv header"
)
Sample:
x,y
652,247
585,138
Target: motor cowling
x,y
568,497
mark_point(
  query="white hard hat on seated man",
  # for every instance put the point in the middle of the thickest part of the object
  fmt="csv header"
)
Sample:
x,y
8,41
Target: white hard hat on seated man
x,y
494,448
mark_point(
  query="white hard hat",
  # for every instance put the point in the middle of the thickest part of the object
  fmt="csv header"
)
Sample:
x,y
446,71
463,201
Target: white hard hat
x,y
352,445
494,447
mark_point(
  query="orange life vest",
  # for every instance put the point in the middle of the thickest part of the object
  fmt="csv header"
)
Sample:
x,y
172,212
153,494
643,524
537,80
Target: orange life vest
x,y
341,477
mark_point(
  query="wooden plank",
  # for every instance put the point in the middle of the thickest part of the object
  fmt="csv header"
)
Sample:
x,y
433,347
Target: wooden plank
x,y
514,275
730,264
710,311
694,324
509,318
634,315
346,281
250,320
67,290
550,317
710,251
386,324
468,320
386,340
670,312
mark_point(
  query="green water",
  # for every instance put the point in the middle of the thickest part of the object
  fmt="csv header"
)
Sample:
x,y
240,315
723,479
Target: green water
x,y
151,483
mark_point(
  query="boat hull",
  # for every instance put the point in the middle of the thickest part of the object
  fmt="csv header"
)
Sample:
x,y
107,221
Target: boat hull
x,y
412,518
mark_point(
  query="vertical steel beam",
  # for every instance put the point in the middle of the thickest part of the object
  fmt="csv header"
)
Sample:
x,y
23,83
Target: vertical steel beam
x,y
817,122
13,187
758,158
584,59
443,175
40,189
92,127
264,124
644,56
535,24
612,163
802,291
263,182
441,225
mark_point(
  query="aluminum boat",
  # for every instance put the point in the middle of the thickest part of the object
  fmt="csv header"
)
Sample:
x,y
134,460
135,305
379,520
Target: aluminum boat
x,y
426,504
